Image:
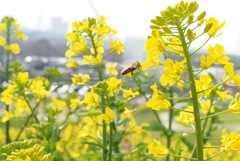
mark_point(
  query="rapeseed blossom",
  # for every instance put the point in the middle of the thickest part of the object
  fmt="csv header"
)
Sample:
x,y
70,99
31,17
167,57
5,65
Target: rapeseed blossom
x,y
157,149
158,100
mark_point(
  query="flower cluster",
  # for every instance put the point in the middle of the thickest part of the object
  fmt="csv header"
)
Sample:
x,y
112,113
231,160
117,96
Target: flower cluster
x,y
90,32
18,91
8,27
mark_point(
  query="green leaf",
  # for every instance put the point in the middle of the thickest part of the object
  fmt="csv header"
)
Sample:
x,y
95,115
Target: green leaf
x,y
177,150
154,127
187,142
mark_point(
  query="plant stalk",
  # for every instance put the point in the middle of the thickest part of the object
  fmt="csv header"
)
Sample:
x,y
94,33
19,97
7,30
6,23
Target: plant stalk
x,y
199,136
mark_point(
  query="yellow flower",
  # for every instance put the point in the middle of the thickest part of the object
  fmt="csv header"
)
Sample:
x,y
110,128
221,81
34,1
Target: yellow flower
x,y
7,116
2,40
2,27
70,53
216,53
155,47
234,105
101,20
230,141
186,118
230,76
72,63
102,30
20,35
180,85
57,104
91,60
21,104
205,62
207,107
8,94
15,48
111,68
72,37
22,77
172,72
157,149
80,78
176,47
84,25
99,47
133,128
75,103
128,93
91,99
203,84
158,100
37,87
80,45
215,27
113,85
223,96
108,117
116,46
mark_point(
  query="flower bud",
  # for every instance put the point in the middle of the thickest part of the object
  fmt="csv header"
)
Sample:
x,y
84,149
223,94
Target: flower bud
x,y
160,20
161,47
193,7
190,19
156,33
200,22
180,10
166,29
201,16
154,27
208,27
155,22
190,34
176,18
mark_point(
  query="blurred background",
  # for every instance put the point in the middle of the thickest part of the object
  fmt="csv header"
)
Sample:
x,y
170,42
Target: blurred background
x,y
47,22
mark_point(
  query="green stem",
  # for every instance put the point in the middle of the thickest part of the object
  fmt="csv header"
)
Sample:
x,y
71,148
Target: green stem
x,y
213,155
8,140
160,122
32,110
199,137
214,114
27,121
201,46
179,156
104,126
170,132
110,142
203,129
219,146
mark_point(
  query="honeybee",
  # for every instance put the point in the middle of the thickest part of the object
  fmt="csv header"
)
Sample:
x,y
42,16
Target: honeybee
x,y
134,66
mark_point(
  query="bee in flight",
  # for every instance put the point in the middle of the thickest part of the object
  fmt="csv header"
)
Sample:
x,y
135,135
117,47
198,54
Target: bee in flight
x,y
134,66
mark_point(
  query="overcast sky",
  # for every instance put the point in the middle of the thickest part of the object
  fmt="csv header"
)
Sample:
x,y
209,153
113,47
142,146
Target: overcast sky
x,y
130,17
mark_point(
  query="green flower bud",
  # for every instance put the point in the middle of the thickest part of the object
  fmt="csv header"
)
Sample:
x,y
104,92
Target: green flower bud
x,y
176,18
156,33
154,27
161,47
155,22
190,34
200,22
208,27
180,9
160,20
192,7
190,19
166,29
168,12
201,16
